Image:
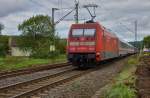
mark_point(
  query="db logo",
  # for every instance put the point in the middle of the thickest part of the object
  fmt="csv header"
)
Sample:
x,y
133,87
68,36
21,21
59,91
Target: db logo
x,y
82,38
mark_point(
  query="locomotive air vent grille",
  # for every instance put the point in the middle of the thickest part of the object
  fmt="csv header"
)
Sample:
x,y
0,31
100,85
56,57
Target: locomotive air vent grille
x,y
82,43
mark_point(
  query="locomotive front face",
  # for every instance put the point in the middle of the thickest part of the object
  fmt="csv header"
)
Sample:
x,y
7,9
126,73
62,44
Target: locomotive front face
x,y
82,45
82,41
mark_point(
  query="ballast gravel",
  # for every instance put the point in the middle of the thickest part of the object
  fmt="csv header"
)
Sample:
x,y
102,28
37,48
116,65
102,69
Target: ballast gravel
x,y
31,76
87,85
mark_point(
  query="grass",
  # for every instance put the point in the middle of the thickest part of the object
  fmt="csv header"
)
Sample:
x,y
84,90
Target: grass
x,y
120,91
146,53
128,73
15,63
123,85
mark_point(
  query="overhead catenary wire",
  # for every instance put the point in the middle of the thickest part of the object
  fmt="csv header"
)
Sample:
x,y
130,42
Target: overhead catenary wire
x,y
64,17
80,7
39,4
123,26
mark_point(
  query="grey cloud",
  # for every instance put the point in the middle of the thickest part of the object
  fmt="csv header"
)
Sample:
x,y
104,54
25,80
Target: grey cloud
x,y
11,6
110,13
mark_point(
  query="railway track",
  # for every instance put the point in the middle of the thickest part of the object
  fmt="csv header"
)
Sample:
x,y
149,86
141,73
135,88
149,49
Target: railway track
x,y
33,87
29,88
18,90
4,75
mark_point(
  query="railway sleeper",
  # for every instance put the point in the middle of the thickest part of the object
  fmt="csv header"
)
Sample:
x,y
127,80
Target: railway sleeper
x,y
4,95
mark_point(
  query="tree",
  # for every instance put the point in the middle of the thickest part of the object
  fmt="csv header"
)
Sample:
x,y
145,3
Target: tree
x,y
35,26
146,41
1,28
37,35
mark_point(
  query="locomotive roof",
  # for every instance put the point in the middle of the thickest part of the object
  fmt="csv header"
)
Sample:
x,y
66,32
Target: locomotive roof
x,y
126,43
107,31
87,24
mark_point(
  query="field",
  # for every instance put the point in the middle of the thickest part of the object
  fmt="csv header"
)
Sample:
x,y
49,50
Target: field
x,y
15,63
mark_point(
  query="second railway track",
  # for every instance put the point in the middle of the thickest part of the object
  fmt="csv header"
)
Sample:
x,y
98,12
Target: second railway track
x,y
32,87
31,70
18,90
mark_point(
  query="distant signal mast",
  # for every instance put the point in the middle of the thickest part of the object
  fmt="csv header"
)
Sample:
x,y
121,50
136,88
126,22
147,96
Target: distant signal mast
x,y
76,16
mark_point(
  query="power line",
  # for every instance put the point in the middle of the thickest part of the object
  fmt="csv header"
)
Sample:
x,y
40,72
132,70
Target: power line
x,y
39,4
118,21
126,27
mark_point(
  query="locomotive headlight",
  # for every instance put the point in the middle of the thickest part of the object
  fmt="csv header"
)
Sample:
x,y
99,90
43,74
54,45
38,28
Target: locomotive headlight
x,y
98,54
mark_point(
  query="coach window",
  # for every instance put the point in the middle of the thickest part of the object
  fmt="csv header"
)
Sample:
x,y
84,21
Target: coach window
x,y
77,32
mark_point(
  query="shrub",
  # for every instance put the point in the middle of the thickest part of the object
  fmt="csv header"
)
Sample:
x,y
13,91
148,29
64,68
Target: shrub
x,y
3,45
132,61
120,91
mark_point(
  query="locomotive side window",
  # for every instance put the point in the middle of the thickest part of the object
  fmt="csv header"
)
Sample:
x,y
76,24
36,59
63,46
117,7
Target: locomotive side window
x,y
89,32
77,32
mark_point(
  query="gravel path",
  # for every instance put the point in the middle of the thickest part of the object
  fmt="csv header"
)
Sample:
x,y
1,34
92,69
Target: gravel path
x,y
27,77
143,78
87,85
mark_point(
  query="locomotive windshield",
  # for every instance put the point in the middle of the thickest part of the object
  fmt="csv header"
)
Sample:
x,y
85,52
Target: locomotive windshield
x,y
83,32
77,32
89,32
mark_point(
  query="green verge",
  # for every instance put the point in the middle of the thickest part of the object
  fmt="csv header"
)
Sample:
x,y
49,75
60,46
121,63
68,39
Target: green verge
x,y
123,85
16,63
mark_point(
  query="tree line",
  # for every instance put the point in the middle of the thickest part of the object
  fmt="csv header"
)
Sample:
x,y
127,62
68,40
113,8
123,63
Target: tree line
x,y
37,36
146,42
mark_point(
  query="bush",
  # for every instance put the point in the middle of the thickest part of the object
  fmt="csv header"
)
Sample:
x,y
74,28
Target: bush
x,y
120,91
3,45
61,46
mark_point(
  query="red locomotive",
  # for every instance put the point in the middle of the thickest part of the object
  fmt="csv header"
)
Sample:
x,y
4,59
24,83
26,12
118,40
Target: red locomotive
x,y
89,43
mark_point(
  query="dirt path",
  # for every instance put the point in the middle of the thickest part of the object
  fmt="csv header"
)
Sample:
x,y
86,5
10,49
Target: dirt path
x,y
85,86
143,79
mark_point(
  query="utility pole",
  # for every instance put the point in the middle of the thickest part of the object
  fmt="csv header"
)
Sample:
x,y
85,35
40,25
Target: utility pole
x,y
55,23
135,43
1,28
53,18
76,12
52,48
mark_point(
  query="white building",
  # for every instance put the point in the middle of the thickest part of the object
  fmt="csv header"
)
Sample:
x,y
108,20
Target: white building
x,y
14,50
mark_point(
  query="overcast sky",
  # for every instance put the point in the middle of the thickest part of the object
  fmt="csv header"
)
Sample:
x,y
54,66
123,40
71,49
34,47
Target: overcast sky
x,y
117,15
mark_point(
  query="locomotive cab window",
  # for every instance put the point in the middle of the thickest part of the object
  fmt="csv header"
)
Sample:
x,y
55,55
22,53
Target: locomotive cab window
x,y
83,32
89,32
77,32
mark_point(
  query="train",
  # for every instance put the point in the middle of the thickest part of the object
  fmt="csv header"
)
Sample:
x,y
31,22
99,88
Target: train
x,y
90,43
